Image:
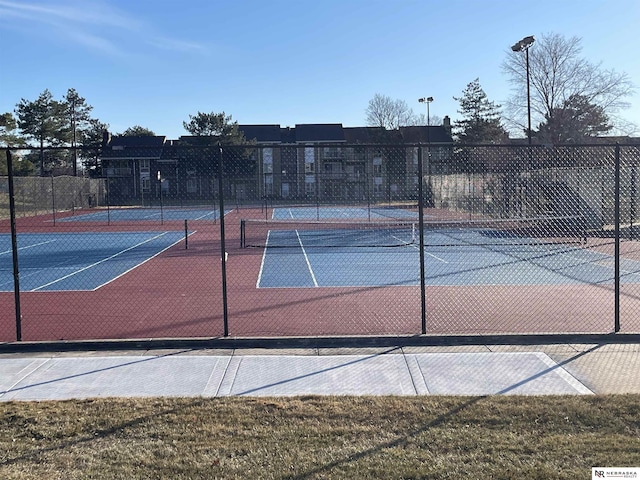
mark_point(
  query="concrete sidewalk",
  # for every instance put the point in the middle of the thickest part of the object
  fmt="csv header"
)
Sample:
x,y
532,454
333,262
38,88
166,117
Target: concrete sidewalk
x,y
456,370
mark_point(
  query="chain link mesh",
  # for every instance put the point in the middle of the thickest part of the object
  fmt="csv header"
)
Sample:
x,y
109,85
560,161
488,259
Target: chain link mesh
x,y
319,240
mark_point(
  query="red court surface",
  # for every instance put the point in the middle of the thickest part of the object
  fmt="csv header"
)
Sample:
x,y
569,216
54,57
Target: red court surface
x,y
179,294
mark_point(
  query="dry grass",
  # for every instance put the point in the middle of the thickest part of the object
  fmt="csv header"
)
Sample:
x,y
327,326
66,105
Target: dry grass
x,y
320,437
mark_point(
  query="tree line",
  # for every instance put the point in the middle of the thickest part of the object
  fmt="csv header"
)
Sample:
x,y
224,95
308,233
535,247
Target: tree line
x,y
569,99
47,122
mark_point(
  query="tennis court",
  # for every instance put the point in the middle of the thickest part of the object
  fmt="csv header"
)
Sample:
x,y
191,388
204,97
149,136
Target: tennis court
x,y
145,214
345,212
78,261
511,252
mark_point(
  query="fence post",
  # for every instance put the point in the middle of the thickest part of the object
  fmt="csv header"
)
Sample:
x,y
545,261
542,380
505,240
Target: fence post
x,y
223,256
616,214
14,248
53,199
423,299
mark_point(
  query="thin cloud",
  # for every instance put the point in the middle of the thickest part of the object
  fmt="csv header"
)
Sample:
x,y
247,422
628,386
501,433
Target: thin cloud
x,y
95,25
176,45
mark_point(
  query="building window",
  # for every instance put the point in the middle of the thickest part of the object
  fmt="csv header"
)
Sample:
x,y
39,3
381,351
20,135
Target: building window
x,y
268,184
192,185
267,160
309,185
144,165
146,184
309,167
309,155
332,152
377,165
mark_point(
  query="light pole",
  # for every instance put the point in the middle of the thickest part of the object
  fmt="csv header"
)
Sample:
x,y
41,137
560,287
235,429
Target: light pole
x,y
525,44
426,100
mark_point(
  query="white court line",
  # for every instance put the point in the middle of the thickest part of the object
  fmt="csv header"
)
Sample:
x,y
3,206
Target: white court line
x,y
101,261
306,259
205,215
143,262
593,262
28,246
417,247
264,256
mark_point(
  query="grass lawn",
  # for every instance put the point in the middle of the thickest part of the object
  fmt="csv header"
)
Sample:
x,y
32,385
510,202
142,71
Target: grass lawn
x,y
320,437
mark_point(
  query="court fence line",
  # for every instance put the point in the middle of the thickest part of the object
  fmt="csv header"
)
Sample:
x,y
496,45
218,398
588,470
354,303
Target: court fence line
x,y
565,257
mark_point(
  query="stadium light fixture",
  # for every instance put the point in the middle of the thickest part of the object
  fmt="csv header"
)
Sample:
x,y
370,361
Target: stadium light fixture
x,y
524,45
427,101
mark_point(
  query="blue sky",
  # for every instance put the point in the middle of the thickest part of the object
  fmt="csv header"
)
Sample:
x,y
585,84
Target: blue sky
x,y
155,62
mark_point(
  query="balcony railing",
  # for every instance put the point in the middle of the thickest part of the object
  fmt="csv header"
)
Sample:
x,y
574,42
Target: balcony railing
x,y
119,171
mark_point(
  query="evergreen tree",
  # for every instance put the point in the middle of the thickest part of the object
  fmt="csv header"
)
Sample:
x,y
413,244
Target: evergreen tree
x,y
213,128
576,120
92,137
137,131
8,134
217,125
75,122
43,121
480,121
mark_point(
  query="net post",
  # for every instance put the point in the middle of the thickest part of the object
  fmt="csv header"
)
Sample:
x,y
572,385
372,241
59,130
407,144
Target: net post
x,y
242,233
186,235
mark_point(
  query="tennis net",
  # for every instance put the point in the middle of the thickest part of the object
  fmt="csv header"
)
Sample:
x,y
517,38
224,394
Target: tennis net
x,y
478,232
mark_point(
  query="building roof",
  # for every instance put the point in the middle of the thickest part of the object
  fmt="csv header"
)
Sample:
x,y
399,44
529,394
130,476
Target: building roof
x,y
261,133
158,147
138,141
288,135
139,146
319,132
359,134
425,134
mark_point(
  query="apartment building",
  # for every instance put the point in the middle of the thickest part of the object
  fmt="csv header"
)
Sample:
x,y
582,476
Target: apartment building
x,y
321,162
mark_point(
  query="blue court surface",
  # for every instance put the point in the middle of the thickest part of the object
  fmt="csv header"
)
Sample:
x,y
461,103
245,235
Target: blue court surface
x,y
324,213
78,261
301,260
144,214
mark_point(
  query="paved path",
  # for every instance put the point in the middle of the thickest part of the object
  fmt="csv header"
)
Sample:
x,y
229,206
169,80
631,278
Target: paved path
x,y
461,370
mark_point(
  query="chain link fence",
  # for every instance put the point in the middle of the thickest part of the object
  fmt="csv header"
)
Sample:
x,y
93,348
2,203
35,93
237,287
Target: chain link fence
x,y
194,240
50,195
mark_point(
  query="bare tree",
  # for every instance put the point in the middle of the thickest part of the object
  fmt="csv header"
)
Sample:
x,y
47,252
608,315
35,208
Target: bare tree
x,y
434,120
391,114
558,72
